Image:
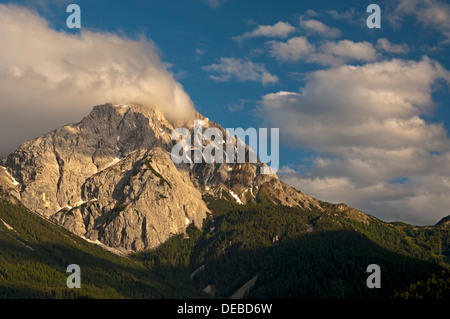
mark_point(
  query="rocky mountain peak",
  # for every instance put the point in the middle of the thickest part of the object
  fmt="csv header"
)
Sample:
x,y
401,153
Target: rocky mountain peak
x,y
110,177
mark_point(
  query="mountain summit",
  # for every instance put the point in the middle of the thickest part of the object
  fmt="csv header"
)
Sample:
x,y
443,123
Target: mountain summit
x,y
110,178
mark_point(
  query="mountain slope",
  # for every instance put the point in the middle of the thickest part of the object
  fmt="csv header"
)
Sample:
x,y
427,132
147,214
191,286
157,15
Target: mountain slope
x,y
296,253
34,255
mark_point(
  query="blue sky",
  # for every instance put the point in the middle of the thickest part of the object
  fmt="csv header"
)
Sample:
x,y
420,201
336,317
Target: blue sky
x,y
363,113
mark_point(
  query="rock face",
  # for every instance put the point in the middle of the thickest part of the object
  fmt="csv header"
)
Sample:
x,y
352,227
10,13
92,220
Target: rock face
x,y
111,178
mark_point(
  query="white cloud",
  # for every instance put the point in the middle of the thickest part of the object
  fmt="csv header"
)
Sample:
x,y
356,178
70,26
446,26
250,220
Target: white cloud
x,y
422,200
385,45
328,53
242,70
319,27
292,50
367,125
344,51
278,30
49,78
431,13
412,203
362,51
356,103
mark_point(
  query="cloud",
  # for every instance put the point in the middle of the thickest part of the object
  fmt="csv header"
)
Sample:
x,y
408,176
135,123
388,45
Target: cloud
x,y
412,203
431,13
312,13
292,50
346,15
242,70
319,27
278,30
49,78
239,106
356,103
328,53
199,54
344,51
385,45
215,3
373,147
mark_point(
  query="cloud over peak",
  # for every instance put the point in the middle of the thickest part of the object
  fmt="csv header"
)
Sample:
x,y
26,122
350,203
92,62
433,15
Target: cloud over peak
x,y
51,77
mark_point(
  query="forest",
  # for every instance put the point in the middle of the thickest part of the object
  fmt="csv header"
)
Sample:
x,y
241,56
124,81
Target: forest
x,y
295,253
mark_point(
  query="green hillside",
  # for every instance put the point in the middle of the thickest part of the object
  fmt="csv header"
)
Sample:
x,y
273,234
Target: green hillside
x,y
295,253
34,256
299,253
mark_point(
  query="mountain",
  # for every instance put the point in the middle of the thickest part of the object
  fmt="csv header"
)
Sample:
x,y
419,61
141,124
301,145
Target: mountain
x,y
104,193
110,178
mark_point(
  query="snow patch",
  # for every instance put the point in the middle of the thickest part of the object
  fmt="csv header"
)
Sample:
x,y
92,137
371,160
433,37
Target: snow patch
x,y
241,292
6,225
236,197
81,202
121,106
187,221
99,243
203,122
30,248
12,178
20,241
112,163
192,275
